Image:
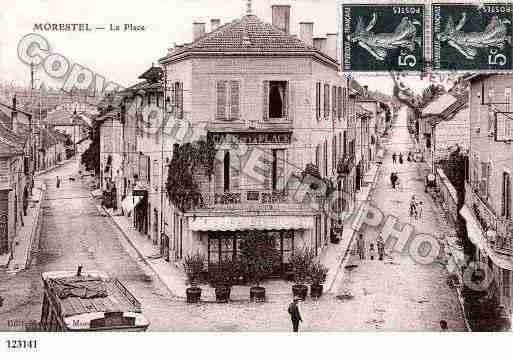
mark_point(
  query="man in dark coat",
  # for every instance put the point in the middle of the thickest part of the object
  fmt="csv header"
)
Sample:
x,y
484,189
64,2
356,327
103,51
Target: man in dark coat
x,y
295,316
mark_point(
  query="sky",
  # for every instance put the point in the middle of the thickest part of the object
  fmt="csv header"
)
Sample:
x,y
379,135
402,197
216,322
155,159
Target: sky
x,y
122,56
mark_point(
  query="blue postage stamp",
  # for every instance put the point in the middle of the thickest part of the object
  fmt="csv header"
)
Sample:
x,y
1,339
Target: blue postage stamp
x,y
382,38
471,37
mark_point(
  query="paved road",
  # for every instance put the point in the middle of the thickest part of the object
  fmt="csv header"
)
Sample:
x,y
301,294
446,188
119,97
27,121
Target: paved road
x,y
399,293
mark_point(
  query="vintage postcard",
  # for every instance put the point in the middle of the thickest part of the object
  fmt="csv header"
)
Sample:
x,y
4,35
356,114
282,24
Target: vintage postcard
x,y
381,38
469,36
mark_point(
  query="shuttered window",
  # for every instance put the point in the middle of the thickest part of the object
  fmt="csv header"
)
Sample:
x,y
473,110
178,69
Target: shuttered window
x,y
334,103
266,100
485,177
234,100
228,100
506,195
317,156
326,101
334,152
339,103
221,100
318,101
325,158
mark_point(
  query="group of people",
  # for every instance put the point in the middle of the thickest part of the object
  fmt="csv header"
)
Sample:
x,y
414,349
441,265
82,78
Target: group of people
x,y
416,208
409,158
379,245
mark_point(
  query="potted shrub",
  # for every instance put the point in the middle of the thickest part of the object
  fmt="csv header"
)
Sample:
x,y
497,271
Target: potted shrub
x,y
301,261
257,256
193,266
318,274
222,279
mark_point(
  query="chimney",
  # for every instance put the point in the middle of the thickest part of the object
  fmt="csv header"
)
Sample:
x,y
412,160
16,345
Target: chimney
x,y
331,46
281,17
306,32
320,43
198,30
214,24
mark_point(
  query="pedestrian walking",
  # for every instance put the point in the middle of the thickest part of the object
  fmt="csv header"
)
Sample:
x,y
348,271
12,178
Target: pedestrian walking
x,y
58,182
394,158
409,157
372,251
381,248
361,246
295,315
400,158
392,179
413,207
443,326
420,206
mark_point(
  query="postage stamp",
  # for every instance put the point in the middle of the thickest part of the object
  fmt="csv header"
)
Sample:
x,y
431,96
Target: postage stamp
x,y
380,38
471,37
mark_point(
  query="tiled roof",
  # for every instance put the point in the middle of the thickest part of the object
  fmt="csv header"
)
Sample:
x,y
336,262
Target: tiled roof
x,y
438,106
247,34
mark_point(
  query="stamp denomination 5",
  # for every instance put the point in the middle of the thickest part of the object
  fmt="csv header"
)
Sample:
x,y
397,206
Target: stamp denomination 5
x,y
471,37
380,38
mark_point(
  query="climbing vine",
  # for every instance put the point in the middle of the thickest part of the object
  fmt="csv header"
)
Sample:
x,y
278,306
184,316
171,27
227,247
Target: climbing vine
x,y
189,159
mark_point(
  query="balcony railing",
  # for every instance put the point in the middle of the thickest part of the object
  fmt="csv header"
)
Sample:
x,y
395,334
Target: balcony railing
x,y
503,242
254,200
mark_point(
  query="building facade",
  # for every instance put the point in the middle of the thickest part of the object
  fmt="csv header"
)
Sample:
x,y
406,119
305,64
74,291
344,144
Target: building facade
x,y
273,105
488,195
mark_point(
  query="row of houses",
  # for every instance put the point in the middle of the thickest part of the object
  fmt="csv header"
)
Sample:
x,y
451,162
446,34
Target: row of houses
x,y
478,118
25,149
273,106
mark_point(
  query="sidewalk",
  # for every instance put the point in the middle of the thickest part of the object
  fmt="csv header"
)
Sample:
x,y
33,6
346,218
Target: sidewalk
x,y
167,272
28,233
336,256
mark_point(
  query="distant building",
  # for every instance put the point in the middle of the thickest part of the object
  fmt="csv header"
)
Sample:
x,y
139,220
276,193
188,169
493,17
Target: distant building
x,y
444,125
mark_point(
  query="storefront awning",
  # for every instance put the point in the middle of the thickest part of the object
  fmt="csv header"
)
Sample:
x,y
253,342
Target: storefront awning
x,y
249,223
476,236
130,202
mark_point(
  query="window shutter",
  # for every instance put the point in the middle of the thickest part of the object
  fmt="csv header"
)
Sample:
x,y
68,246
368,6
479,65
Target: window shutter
x,y
234,100
235,172
503,197
266,100
221,100
339,103
326,101
280,170
180,100
289,109
334,152
334,102
317,101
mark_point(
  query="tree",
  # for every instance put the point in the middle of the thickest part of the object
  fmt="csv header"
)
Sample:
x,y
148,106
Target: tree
x,y
91,157
257,256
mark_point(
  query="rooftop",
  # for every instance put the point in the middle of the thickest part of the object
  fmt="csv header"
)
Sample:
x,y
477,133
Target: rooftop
x,y
247,34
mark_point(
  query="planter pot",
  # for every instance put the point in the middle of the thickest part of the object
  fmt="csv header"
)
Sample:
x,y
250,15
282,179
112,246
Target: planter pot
x,y
223,294
257,294
316,290
193,294
300,291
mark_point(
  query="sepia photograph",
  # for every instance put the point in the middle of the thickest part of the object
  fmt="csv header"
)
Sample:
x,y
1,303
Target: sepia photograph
x,y
255,166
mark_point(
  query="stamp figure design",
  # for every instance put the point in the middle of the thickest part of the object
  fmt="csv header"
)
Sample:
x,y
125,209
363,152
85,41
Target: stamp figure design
x,y
481,40
381,38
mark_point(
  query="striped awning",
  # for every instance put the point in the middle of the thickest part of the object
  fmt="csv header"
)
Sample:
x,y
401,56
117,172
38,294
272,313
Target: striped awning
x,y
476,236
250,223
